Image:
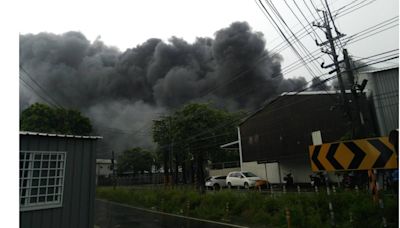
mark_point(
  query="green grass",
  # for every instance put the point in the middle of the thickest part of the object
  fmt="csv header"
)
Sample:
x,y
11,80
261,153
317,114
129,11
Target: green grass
x,y
255,209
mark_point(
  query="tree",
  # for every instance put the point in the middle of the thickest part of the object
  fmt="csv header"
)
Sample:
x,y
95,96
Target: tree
x,y
42,118
194,134
135,160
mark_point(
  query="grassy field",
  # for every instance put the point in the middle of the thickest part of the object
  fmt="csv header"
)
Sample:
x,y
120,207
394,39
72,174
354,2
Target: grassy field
x,y
252,208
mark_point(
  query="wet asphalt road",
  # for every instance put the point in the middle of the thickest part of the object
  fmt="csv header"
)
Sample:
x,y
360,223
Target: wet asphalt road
x,y
111,215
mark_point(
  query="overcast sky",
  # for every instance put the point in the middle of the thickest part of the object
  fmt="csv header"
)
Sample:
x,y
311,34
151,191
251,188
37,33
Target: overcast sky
x,y
125,24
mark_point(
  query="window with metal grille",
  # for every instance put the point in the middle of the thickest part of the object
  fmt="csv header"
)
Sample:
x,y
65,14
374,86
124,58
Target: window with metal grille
x,y
41,179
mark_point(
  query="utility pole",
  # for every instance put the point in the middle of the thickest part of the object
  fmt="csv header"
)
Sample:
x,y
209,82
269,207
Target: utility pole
x,y
113,170
358,129
332,51
171,142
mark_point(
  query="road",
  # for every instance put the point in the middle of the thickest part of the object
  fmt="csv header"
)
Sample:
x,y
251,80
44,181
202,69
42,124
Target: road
x,y
113,215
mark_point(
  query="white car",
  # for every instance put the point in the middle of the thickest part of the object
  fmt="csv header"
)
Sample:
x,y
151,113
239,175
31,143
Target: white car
x,y
244,179
216,182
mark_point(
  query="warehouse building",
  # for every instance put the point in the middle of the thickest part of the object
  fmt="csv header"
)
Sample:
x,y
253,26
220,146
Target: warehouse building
x,y
273,142
57,180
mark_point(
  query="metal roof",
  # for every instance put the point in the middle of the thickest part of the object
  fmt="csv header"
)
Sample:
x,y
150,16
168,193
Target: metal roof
x,y
379,69
314,92
329,92
59,135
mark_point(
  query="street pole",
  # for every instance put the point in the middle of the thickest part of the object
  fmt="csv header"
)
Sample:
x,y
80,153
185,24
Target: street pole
x,y
113,169
359,129
170,153
336,63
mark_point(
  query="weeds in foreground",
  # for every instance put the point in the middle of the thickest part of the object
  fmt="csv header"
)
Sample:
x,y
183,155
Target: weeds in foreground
x,y
256,209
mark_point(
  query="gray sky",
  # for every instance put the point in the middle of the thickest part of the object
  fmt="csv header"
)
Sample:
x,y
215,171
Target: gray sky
x,y
125,24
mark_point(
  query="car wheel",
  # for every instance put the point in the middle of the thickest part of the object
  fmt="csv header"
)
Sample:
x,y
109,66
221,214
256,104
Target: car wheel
x,y
246,185
229,185
216,187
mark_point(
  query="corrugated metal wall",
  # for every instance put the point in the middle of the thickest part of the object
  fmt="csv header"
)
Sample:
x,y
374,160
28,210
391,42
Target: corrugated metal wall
x,y
77,210
384,86
386,99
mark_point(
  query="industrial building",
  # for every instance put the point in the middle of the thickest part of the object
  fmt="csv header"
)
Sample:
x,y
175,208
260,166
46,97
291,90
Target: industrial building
x,y
57,180
274,141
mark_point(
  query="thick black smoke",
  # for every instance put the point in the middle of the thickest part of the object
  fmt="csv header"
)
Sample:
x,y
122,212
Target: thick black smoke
x,y
126,90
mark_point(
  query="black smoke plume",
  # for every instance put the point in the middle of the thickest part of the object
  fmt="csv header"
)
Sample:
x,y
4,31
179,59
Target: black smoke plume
x,y
122,92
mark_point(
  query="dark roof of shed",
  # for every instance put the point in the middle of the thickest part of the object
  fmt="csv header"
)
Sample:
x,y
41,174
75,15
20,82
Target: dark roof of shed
x,y
290,94
59,135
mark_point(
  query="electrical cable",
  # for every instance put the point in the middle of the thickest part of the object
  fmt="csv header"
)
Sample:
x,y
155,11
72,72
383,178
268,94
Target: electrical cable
x,y
320,83
299,43
40,87
27,85
343,13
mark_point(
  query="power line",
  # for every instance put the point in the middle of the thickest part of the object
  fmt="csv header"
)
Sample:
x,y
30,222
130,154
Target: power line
x,y
299,43
300,32
343,13
309,10
353,37
367,36
27,85
322,82
333,22
343,7
229,122
382,53
301,90
301,12
41,88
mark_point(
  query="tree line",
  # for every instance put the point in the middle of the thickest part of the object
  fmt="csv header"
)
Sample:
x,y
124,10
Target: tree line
x,y
186,139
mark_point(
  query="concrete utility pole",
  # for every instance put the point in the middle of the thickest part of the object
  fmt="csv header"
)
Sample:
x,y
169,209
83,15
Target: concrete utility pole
x,y
113,169
360,131
171,146
330,40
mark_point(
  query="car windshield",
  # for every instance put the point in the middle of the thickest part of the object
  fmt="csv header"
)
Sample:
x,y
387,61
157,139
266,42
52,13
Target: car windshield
x,y
249,174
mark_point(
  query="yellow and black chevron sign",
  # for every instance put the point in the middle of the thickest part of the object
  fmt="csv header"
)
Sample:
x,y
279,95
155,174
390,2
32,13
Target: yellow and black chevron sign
x,y
361,154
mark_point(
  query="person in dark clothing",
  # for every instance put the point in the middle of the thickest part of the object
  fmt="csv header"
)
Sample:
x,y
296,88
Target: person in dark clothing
x,y
289,180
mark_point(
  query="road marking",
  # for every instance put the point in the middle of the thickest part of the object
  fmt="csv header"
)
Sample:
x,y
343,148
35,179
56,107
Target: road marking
x,y
169,214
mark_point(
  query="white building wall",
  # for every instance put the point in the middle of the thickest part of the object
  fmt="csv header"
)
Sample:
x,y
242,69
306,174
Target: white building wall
x,y
103,167
269,171
299,168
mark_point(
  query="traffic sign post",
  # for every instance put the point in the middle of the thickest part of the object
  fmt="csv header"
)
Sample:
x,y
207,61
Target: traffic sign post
x,y
361,154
